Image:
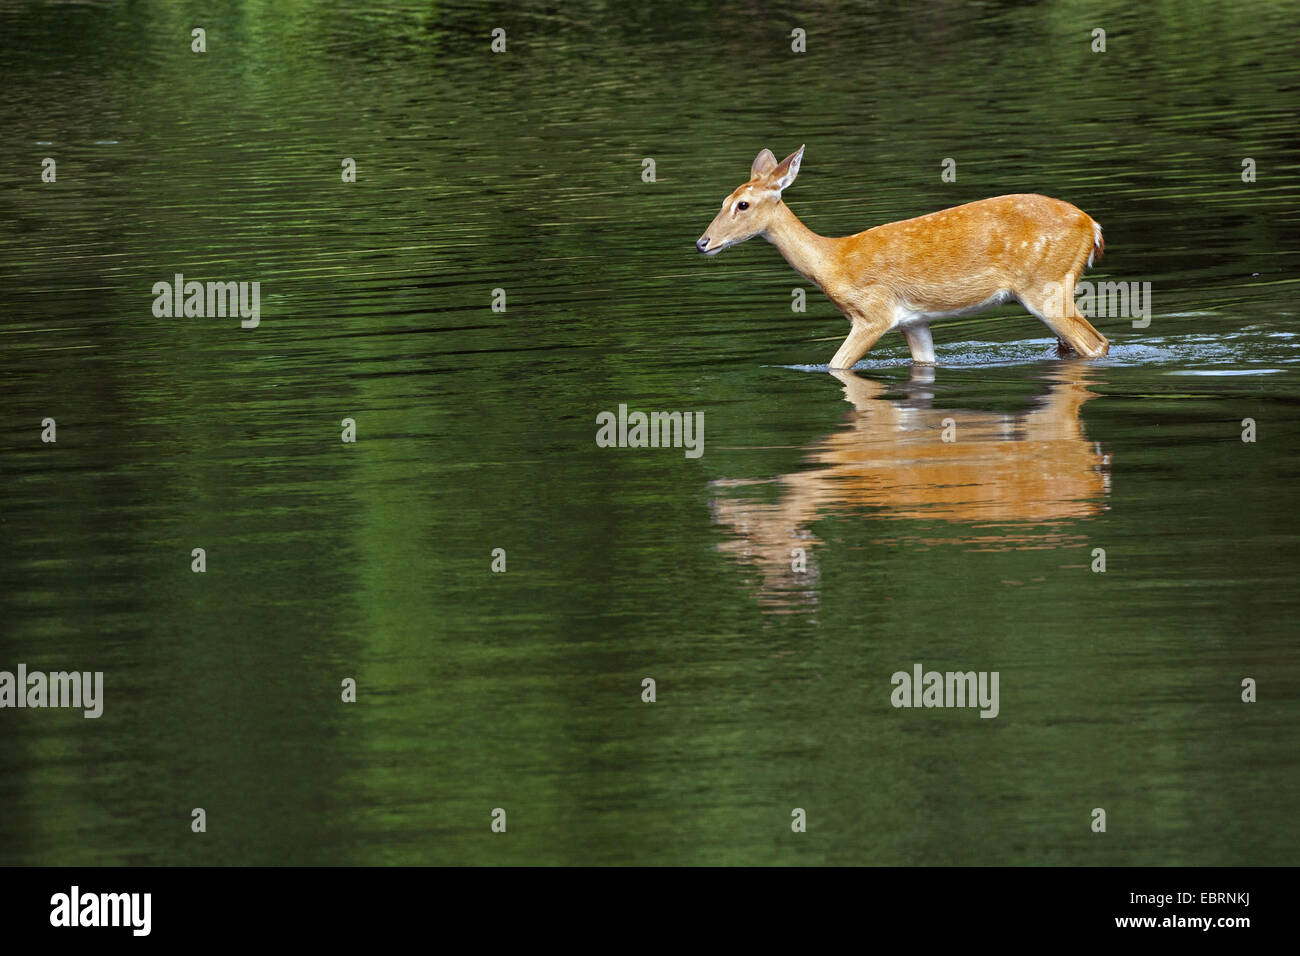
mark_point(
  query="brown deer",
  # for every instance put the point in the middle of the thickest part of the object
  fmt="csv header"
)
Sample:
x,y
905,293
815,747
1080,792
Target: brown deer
x,y
904,274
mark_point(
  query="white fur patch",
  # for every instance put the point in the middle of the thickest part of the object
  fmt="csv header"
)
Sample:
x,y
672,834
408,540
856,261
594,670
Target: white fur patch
x,y
1096,241
908,314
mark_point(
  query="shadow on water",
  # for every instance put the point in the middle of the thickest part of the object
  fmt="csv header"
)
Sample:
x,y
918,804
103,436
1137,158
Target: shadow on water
x,y
982,480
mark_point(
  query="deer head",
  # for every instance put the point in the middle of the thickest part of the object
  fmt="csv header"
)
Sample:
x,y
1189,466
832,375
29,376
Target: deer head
x,y
748,211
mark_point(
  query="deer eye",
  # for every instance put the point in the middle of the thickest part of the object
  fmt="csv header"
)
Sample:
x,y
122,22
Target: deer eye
x,y
742,205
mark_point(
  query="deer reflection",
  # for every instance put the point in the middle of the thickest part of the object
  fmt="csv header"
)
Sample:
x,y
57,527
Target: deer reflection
x,y
977,479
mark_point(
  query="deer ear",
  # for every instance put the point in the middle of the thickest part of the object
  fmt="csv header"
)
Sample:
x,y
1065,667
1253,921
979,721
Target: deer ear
x,y
786,170
764,163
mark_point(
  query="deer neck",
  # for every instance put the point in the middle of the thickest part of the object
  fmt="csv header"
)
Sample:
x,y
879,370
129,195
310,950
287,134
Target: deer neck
x,y
808,253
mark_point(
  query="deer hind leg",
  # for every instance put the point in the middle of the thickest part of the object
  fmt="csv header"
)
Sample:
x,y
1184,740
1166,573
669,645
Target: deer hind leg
x,y
1054,305
919,342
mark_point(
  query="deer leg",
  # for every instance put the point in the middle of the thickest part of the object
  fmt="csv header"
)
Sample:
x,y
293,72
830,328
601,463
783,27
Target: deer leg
x,y
920,343
862,336
1059,313
1079,335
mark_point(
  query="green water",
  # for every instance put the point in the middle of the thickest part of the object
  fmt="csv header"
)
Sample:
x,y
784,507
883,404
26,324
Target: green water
x,y
476,430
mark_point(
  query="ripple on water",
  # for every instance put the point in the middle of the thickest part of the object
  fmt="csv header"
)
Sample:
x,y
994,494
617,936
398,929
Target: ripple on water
x,y
1183,350
1225,371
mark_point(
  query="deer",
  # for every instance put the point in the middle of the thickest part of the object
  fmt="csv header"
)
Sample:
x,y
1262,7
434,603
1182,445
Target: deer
x,y
902,275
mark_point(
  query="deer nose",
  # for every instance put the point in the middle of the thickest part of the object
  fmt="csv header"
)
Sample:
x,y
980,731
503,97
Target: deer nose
x,y
702,243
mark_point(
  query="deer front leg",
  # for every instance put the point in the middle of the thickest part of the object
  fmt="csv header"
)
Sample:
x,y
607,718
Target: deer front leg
x,y
868,327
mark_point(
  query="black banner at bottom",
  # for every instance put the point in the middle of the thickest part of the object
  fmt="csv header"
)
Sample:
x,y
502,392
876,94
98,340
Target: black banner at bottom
x,y
337,905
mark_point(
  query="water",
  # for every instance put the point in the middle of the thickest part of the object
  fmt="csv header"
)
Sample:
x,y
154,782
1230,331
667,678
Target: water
x,y
371,561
